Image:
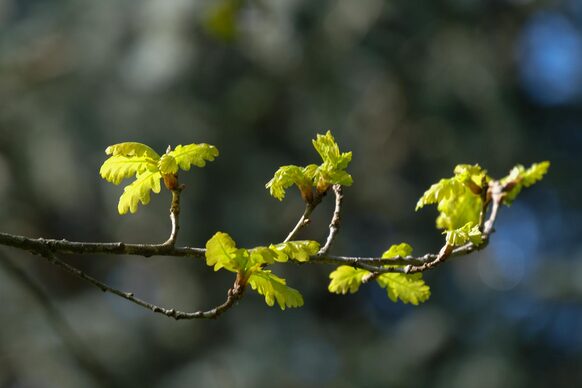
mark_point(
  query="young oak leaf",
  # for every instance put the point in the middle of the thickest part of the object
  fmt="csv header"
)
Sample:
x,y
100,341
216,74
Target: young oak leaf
x,y
400,250
131,159
139,191
193,154
409,288
119,167
330,172
295,250
520,178
131,149
456,211
442,190
274,289
221,252
467,233
346,278
288,176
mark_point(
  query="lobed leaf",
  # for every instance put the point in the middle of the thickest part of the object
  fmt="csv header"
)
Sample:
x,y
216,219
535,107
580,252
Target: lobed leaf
x,y
167,164
443,190
193,154
119,167
408,288
467,233
288,176
456,211
402,250
221,252
295,250
139,191
346,278
274,289
132,149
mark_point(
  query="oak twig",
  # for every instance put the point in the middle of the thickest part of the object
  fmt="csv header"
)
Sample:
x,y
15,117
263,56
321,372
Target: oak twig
x,y
335,220
175,216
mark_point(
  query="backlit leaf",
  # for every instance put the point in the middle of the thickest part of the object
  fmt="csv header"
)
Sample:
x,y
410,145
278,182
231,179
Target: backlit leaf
x,y
274,289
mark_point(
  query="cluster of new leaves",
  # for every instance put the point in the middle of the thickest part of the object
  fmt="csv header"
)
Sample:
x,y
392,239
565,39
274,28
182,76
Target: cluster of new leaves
x,y
520,177
460,199
128,160
409,288
322,177
248,264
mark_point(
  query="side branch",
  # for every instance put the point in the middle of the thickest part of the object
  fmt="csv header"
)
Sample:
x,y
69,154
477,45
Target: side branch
x,y
175,216
335,220
305,217
35,245
234,294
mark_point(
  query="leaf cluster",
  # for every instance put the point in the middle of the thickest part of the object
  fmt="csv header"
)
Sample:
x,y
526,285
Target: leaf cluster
x,y
409,288
129,160
321,177
222,252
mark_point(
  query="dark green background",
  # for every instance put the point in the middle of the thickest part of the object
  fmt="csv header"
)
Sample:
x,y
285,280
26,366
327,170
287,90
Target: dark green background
x,y
411,87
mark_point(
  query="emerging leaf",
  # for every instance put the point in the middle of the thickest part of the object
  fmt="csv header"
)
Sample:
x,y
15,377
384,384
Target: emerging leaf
x,y
456,211
295,250
119,167
346,278
221,252
288,176
167,164
139,191
193,154
444,189
402,250
132,149
519,177
468,232
274,289
408,288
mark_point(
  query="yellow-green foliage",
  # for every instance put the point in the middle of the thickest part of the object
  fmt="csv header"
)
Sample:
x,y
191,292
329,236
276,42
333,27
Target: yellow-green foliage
x,y
128,160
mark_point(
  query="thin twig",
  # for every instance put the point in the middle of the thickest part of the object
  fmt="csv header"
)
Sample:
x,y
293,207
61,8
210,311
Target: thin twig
x,y
81,353
305,219
175,216
335,220
233,295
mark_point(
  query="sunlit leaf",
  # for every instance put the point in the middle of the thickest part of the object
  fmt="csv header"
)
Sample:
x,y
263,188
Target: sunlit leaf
x,y
274,289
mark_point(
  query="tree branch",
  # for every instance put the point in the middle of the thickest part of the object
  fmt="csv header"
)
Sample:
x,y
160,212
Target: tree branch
x,y
335,220
234,294
304,220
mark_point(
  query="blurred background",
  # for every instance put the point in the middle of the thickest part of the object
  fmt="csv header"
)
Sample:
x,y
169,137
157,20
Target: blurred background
x,y
412,88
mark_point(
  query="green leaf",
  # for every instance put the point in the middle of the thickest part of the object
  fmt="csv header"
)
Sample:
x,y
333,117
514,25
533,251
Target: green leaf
x,y
535,173
408,288
139,191
444,189
295,250
328,149
262,255
346,278
119,167
468,232
288,176
167,164
334,162
221,252
193,154
458,210
132,149
472,176
520,178
402,250
274,289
